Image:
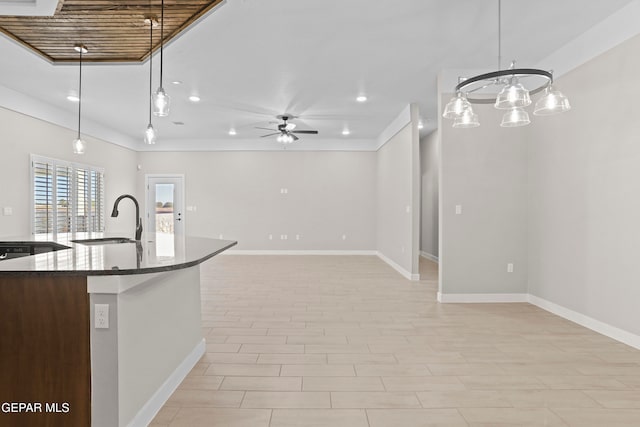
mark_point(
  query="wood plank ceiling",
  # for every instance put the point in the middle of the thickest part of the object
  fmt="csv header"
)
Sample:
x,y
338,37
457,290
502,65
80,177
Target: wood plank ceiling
x,y
112,30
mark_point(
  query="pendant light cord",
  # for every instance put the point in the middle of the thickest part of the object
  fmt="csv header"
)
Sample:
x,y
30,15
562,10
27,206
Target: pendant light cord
x,y
80,92
150,67
161,39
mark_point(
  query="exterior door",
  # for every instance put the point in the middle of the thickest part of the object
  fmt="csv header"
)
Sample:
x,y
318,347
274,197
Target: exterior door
x,y
165,205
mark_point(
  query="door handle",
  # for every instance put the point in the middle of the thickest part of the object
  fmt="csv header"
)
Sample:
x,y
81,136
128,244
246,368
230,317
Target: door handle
x,y
179,217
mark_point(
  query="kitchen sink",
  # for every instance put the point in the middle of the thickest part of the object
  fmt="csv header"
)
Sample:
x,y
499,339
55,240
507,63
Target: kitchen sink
x,y
104,241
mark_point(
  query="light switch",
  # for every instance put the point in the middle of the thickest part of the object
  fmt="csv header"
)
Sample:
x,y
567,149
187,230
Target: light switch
x,y
7,211
458,209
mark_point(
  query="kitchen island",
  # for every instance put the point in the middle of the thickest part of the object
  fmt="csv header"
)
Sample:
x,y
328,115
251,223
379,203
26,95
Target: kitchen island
x,y
63,364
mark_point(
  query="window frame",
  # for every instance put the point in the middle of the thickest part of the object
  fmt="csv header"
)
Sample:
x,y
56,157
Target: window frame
x,y
74,167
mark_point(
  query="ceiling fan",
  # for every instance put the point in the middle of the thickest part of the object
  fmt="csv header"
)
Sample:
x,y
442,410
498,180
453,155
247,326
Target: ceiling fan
x,y
286,131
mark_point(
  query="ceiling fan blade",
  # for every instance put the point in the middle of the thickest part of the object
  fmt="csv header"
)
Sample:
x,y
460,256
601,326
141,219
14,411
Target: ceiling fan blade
x,y
308,132
271,134
295,138
274,130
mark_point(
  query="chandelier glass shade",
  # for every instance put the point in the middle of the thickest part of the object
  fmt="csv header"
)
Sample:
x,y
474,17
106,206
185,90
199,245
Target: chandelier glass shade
x,y
515,117
513,95
456,106
552,102
468,119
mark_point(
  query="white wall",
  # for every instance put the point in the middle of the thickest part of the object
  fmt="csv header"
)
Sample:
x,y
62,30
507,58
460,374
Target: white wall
x,y
484,170
398,198
429,169
237,194
21,136
584,193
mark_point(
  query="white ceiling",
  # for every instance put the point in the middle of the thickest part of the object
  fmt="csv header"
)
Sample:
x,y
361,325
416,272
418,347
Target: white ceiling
x,y
250,60
28,7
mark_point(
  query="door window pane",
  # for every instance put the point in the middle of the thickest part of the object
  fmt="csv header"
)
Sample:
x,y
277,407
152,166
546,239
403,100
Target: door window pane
x,y
164,208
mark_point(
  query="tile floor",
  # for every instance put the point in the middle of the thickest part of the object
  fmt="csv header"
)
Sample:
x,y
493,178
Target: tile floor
x,y
346,341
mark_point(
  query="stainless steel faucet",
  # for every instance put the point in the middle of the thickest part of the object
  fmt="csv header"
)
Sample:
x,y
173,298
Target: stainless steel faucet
x,y
114,213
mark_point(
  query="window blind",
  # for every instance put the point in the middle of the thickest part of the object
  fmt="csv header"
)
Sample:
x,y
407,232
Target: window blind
x,y
67,197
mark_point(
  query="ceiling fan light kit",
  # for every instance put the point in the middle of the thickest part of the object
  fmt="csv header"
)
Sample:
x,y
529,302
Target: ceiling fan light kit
x,y
509,89
285,131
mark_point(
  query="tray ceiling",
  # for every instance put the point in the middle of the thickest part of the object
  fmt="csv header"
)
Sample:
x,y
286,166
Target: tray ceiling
x,y
112,30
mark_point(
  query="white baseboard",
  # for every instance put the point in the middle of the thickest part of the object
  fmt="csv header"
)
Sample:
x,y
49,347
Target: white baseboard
x,y
297,252
397,267
160,397
605,329
482,298
429,256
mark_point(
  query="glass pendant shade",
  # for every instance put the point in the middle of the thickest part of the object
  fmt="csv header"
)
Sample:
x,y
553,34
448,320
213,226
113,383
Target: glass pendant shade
x,y
79,146
468,119
514,118
284,139
456,106
513,95
150,135
161,103
552,102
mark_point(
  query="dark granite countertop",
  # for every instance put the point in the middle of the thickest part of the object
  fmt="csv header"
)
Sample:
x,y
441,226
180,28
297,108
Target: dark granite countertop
x,y
153,254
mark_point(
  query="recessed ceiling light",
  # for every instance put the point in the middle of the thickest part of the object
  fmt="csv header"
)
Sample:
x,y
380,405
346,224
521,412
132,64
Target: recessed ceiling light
x,y
177,82
346,132
232,132
420,125
194,98
361,98
73,98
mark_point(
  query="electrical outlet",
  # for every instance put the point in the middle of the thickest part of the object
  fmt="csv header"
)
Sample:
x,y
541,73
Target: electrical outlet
x,y
270,236
458,209
297,237
510,268
101,316
344,237
220,236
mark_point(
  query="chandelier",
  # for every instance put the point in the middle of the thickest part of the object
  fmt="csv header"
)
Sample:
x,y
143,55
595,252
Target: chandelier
x,y
509,90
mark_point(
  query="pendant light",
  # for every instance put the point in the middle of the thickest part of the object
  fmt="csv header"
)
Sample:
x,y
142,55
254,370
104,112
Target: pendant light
x,y
161,101
79,145
150,134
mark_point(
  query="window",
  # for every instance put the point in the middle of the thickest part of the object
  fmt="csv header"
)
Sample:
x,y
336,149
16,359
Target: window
x,y
67,197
